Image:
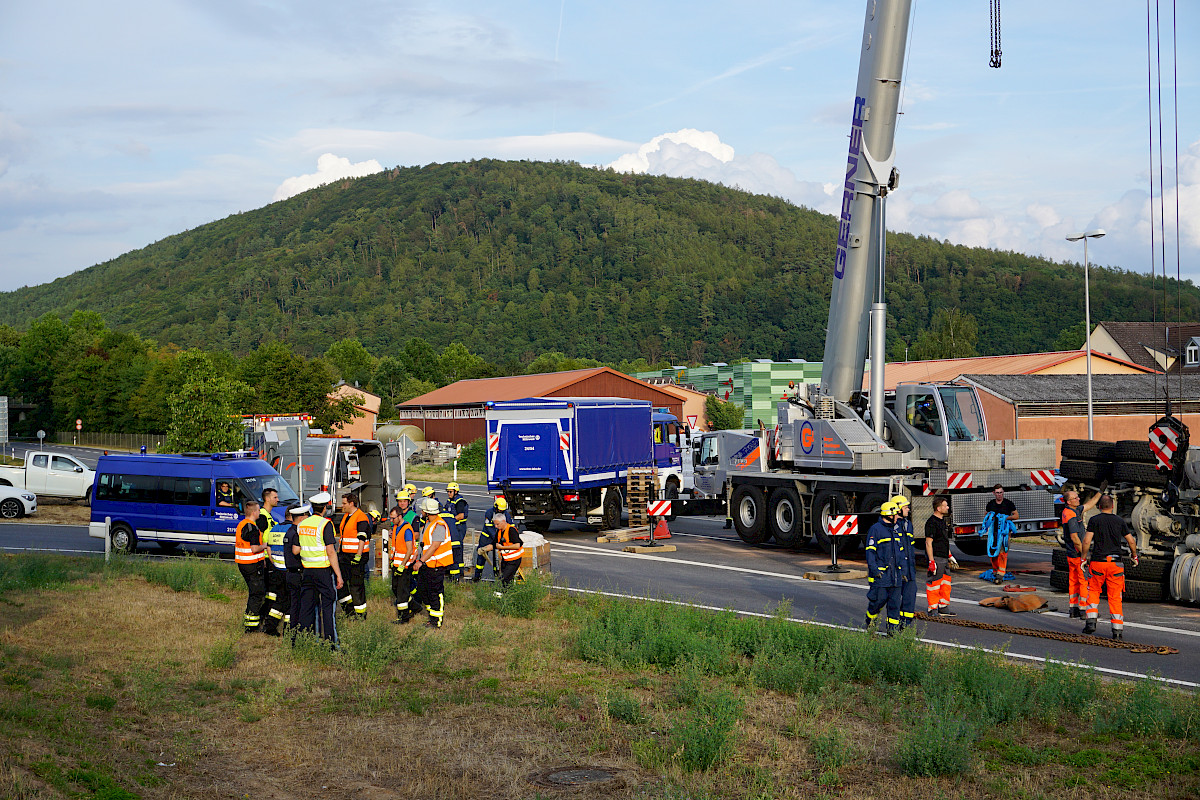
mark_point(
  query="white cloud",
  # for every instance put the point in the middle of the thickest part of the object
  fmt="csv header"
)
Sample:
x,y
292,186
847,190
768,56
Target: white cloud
x,y
689,153
329,168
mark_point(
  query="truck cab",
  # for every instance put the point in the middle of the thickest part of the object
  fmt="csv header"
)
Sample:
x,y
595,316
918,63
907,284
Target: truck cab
x,y
927,417
672,454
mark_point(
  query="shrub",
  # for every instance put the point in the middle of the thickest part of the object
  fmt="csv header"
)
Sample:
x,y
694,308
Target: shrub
x,y
830,749
941,743
624,708
521,599
222,654
473,456
702,735
369,646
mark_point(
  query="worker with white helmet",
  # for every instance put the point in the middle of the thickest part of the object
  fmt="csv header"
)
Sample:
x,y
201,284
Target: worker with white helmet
x,y
488,535
432,564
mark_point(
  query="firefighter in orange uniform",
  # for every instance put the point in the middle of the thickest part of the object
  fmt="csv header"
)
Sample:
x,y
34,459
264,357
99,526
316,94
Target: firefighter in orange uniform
x,y
250,555
354,535
433,562
1102,559
404,554
1073,534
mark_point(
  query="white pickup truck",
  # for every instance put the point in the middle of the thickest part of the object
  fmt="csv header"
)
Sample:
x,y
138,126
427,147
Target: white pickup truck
x,y
50,475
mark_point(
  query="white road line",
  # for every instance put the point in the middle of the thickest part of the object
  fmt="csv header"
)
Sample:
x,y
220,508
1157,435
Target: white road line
x,y
846,584
49,550
936,642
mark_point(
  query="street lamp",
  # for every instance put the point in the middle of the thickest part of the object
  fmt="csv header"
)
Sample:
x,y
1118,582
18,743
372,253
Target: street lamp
x,y
1087,313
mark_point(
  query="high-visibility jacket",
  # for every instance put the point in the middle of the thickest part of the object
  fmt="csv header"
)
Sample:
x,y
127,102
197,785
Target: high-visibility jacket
x,y
403,537
444,555
507,538
349,530
312,545
242,552
273,538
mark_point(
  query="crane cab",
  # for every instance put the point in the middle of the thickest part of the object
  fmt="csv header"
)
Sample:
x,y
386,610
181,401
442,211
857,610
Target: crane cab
x,y
932,415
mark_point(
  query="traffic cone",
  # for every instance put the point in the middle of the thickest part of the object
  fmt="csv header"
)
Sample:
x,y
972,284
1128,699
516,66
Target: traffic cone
x,y
661,531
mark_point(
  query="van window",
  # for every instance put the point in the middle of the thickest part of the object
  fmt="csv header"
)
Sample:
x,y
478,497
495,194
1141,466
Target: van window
x,y
187,491
255,485
39,461
127,488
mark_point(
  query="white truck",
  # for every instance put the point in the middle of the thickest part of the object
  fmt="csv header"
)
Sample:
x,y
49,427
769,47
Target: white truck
x,y
50,474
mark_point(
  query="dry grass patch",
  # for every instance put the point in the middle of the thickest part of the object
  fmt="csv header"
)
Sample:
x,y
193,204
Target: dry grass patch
x,y
108,676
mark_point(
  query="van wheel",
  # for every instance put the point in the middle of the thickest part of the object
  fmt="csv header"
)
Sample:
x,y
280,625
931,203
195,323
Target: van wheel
x,y
124,540
11,508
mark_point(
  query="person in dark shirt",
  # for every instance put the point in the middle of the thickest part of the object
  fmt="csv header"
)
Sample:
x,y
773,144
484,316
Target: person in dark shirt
x,y
291,559
937,550
1102,560
224,494
1073,532
250,556
1004,507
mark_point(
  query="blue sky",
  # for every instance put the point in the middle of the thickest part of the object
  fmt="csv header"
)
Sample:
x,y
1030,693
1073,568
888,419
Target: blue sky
x,y
125,122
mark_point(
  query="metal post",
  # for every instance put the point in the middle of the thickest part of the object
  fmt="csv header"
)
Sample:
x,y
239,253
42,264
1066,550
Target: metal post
x,y
833,564
1087,316
107,539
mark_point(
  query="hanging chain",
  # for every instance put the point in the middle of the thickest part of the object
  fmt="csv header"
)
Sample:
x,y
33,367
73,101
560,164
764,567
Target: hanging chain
x,y
996,53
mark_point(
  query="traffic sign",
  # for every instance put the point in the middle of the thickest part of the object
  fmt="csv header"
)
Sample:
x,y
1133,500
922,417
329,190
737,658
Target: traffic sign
x,y
78,424
692,419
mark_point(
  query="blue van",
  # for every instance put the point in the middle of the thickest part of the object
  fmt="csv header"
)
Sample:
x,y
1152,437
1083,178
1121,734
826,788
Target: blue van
x,y
172,500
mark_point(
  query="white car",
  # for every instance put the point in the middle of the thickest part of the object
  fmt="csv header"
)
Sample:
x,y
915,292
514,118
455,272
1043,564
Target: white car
x,y
16,503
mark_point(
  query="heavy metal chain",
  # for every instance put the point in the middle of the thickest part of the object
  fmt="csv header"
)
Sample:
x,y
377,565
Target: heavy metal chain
x,y
995,60
1077,638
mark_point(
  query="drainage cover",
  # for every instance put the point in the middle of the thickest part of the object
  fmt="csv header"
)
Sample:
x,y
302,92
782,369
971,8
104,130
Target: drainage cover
x,y
569,777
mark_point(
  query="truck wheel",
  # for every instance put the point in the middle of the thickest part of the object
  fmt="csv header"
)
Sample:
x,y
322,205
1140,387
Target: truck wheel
x,y
785,516
1088,450
1058,558
1060,581
1136,450
1151,570
11,508
972,547
1089,472
1144,591
1139,474
124,540
1185,578
671,493
749,511
538,525
828,503
612,510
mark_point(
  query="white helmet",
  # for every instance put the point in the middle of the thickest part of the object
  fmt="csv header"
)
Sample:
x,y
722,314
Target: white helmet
x,y
430,506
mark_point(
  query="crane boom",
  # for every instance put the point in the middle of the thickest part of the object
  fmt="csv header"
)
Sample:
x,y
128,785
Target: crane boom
x,y
869,174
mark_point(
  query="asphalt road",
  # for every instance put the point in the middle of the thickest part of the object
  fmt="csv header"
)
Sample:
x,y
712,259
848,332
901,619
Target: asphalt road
x,y
88,455
712,567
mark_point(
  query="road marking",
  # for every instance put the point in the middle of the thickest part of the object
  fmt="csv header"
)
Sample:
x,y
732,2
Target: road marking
x,y
936,642
846,584
49,550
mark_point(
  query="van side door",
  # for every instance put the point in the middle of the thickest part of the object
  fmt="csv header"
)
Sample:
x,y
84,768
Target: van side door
x,y
184,509
224,519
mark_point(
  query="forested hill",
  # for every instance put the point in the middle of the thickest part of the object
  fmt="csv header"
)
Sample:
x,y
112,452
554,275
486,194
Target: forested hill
x,y
514,259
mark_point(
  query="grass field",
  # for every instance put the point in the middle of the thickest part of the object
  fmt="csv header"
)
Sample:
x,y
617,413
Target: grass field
x,y
133,680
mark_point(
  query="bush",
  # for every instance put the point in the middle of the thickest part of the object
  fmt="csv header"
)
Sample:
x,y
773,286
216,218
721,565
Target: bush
x,y
941,743
702,736
223,654
624,708
521,599
831,749
1150,708
369,646
473,456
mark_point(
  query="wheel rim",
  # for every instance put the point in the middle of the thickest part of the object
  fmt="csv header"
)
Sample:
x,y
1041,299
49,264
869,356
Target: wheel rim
x,y
10,509
747,512
120,539
785,516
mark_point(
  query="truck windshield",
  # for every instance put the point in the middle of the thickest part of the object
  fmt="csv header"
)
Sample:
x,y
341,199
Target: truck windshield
x,y
964,419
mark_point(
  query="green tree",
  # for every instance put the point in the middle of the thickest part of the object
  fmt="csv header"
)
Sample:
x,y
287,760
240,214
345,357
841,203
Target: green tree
x,y
421,362
206,411
413,387
352,361
952,334
1071,337
458,363
723,416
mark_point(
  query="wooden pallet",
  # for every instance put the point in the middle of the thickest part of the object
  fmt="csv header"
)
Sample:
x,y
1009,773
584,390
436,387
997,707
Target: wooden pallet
x,y
641,486
624,534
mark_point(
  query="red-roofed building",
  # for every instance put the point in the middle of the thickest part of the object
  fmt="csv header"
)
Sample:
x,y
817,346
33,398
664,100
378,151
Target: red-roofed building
x,y
454,413
1067,362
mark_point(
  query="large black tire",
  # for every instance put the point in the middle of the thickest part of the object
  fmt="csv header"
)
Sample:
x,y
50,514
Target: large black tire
x,y
786,517
124,540
972,547
748,507
1138,474
828,503
1059,581
1150,570
538,525
1058,558
1088,450
611,517
671,493
1135,450
1144,591
11,508
1089,472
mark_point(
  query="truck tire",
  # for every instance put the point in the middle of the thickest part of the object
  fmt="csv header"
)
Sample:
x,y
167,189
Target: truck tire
x,y
1088,450
972,547
748,507
786,516
1135,450
1144,591
1059,580
1089,472
829,502
124,540
1139,474
1058,558
611,517
671,493
538,525
11,508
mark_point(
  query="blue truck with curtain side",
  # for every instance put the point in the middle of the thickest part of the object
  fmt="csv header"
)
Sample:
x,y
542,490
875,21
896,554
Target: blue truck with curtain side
x,y
567,458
